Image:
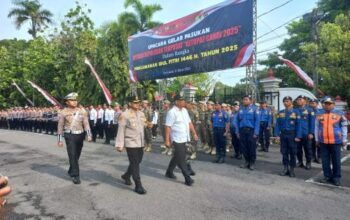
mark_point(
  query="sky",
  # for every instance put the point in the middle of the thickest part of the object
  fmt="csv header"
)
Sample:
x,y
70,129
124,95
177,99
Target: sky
x,y
103,11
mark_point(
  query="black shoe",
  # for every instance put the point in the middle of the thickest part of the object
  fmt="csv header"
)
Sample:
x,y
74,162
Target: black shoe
x,y
308,166
291,172
140,190
189,181
126,179
301,165
170,175
252,166
217,160
266,150
222,160
190,171
336,182
245,165
326,180
261,150
76,179
316,160
285,171
239,157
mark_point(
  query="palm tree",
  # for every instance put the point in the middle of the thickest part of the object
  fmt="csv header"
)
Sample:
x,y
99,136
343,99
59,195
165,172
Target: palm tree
x,y
30,10
139,21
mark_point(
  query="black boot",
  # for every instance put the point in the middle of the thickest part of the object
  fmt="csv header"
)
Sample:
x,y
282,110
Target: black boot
x,y
245,165
139,188
252,166
285,171
222,160
170,175
217,160
291,172
126,179
189,181
308,166
190,171
76,179
301,165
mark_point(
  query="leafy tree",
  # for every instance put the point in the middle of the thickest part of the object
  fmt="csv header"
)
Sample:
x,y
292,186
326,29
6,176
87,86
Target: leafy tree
x,y
138,21
30,11
333,56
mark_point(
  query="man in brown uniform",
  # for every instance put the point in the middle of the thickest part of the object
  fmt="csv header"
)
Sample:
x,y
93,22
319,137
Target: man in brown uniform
x,y
131,137
72,124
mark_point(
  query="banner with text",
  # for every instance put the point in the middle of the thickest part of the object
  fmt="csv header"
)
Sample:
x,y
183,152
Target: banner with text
x,y
216,38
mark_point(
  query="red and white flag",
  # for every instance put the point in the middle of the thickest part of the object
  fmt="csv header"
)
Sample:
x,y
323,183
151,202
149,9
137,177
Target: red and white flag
x,y
23,94
103,86
47,95
309,82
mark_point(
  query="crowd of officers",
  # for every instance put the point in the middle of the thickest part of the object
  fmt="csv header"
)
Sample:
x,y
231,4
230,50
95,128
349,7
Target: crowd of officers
x,y
221,127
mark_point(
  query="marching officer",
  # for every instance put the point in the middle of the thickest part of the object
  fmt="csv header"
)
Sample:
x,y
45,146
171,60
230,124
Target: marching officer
x,y
331,129
220,122
307,127
72,125
247,130
177,134
131,137
265,126
288,130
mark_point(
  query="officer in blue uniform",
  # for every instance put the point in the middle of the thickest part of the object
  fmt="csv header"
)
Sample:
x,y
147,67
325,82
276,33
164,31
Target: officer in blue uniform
x,y
307,121
316,152
288,130
265,117
247,130
235,141
220,122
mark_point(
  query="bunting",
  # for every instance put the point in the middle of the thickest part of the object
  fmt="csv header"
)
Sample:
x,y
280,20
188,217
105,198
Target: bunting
x,y
100,82
47,95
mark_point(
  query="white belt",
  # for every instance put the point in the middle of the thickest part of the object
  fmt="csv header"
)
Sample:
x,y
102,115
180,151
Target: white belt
x,y
73,132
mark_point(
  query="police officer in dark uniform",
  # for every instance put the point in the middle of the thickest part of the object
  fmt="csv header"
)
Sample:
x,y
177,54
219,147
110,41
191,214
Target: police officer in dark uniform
x,y
235,141
307,120
220,122
247,130
265,126
316,152
72,125
288,130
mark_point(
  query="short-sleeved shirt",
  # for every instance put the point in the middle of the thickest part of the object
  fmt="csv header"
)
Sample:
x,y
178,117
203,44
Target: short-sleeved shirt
x,y
178,120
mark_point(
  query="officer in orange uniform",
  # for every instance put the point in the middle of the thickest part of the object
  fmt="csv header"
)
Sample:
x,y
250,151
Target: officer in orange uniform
x,y
331,134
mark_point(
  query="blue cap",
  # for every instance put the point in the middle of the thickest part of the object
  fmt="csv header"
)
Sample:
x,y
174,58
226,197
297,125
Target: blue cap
x,y
328,100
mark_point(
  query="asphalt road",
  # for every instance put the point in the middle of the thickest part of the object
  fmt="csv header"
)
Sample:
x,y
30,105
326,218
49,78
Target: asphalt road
x,y
42,189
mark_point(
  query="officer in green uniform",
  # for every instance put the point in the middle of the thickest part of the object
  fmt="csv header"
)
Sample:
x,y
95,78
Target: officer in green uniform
x,y
209,128
148,129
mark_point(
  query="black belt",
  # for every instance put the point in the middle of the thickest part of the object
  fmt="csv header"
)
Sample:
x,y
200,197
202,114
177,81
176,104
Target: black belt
x,y
246,129
288,132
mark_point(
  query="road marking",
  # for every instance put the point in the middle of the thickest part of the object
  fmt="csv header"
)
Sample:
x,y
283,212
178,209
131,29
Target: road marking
x,y
313,181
